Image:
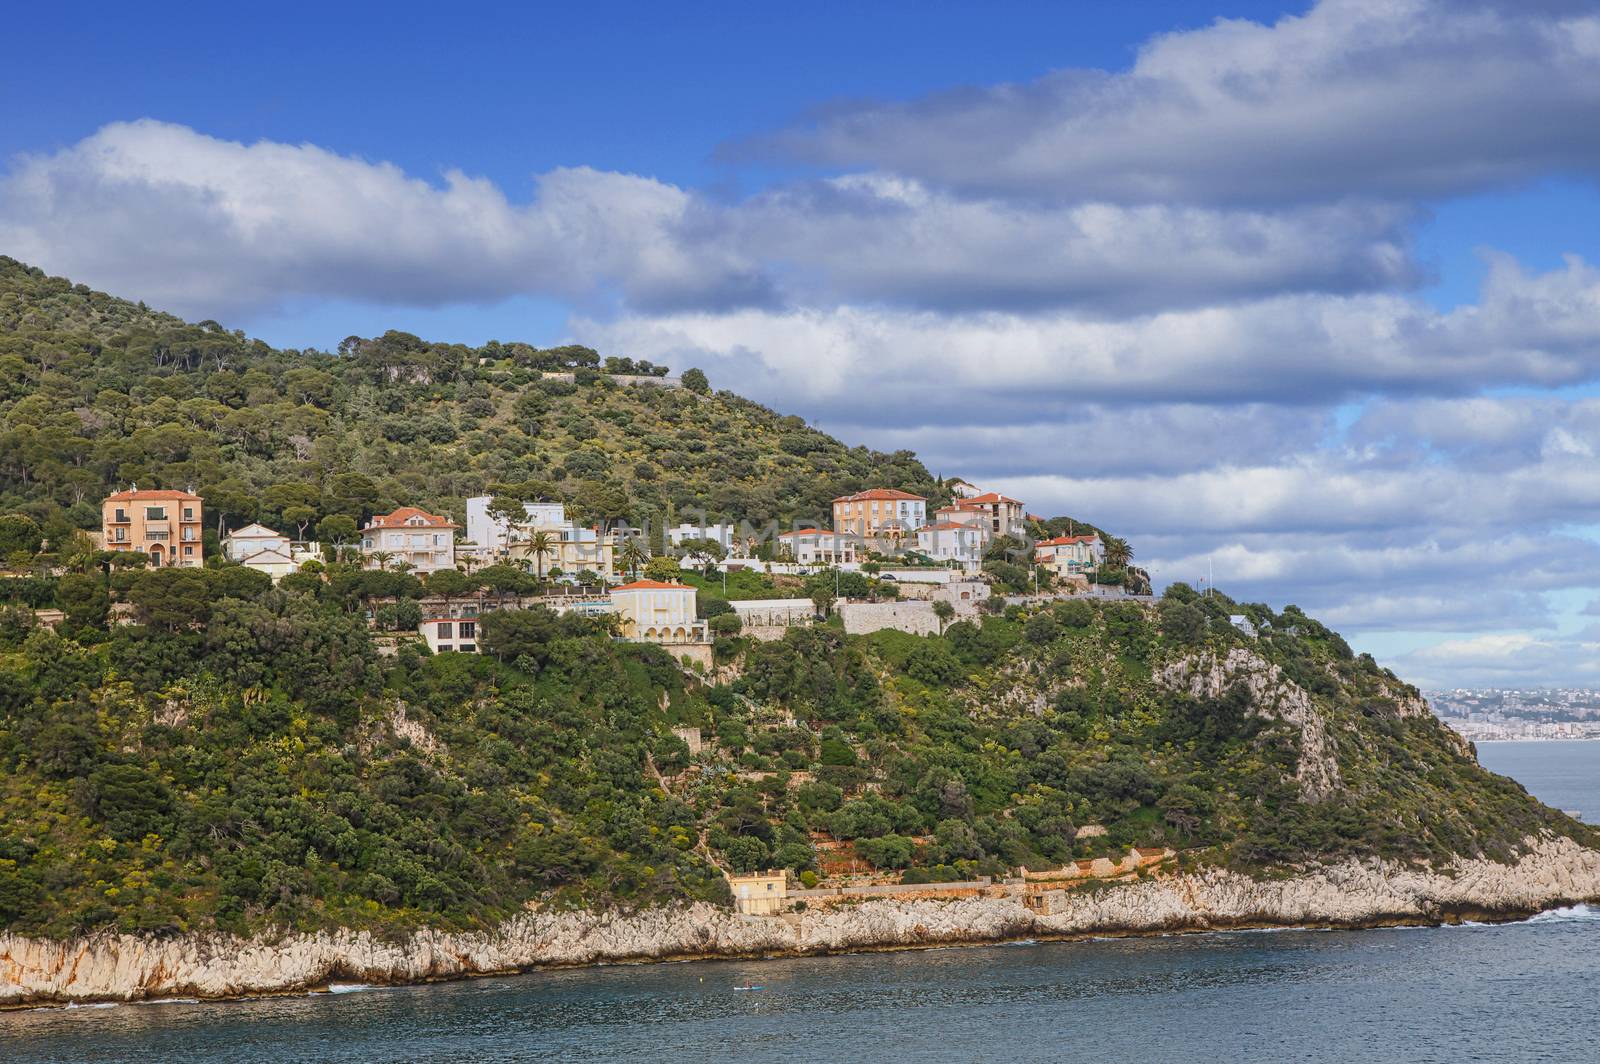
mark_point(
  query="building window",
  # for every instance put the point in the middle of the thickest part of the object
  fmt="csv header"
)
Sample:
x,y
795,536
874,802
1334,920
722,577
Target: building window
x,y
469,630
155,513
121,516
446,630
188,513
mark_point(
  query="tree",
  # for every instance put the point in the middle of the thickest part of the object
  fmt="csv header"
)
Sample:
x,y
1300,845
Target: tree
x,y
447,583
663,568
632,554
695,380
1118,552
336,530
945,612
822,598
301,517
541,545
19,535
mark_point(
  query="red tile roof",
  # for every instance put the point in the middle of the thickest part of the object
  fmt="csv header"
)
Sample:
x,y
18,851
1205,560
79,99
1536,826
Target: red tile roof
x,y
991,497
128,496
399,518
652,585
881,493
1064,541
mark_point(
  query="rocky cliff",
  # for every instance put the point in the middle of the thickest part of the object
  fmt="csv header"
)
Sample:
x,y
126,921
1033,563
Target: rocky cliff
x,y
111,967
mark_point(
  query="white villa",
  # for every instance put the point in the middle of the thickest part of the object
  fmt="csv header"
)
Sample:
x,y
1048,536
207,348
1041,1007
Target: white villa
x,y
493,535
947,541
259,547
651,611
1070,555
450,633
726,535
426,542
816,546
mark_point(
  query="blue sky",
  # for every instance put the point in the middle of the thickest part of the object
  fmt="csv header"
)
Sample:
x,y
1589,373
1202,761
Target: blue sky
x,y
1305,291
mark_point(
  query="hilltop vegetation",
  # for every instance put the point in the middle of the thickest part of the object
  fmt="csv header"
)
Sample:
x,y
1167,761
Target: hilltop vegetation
x,y
242,756
97,393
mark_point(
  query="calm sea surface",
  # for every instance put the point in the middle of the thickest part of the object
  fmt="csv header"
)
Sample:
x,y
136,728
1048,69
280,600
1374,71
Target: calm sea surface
x,y
1517,992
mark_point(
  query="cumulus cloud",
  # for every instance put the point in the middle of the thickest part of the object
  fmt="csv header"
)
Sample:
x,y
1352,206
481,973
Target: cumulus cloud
x,y
1541,330
213,227
1504,659
1403,99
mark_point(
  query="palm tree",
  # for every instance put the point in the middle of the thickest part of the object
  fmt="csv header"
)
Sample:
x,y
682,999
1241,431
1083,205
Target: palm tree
x,y
633,554
383,558
1118,553
541,544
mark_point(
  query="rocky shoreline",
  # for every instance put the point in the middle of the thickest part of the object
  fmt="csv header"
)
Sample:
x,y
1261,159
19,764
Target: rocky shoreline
x,y
118,967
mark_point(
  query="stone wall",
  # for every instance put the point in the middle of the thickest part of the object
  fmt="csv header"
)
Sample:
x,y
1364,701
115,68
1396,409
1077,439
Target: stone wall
x,y
861,618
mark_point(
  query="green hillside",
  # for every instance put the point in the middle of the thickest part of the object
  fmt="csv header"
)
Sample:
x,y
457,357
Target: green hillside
x,y
244,756
97,393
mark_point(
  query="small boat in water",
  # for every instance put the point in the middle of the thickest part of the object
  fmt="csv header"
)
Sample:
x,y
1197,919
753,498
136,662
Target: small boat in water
x,y
749,988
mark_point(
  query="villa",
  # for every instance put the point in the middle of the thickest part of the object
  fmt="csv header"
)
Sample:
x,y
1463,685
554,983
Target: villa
x,y
259,547
816,546
948,541
1070,555
651,611
1002,516
424,542
166,525
880,512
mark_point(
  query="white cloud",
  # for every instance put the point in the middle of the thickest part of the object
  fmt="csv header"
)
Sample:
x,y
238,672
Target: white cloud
x,y
1401,99
212,227
1527,329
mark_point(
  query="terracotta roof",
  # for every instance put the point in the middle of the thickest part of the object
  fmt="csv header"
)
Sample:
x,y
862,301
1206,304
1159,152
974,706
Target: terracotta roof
x,y
881,493
405,513
950,526
991,497
1063,541
808,532
652,585
127,496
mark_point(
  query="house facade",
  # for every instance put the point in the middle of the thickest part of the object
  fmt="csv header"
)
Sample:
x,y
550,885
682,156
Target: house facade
x,y
880,512
459,634
166,525
759,893
1070,555
961,544
726,535
1003,516
259,547
424,541
653,611
816,546
493,536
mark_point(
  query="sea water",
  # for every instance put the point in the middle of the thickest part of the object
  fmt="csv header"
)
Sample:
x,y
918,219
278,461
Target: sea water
x,y
1523,992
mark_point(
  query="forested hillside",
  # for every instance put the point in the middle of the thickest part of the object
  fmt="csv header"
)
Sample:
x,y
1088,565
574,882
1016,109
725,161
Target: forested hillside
x,y
97,393
242,755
